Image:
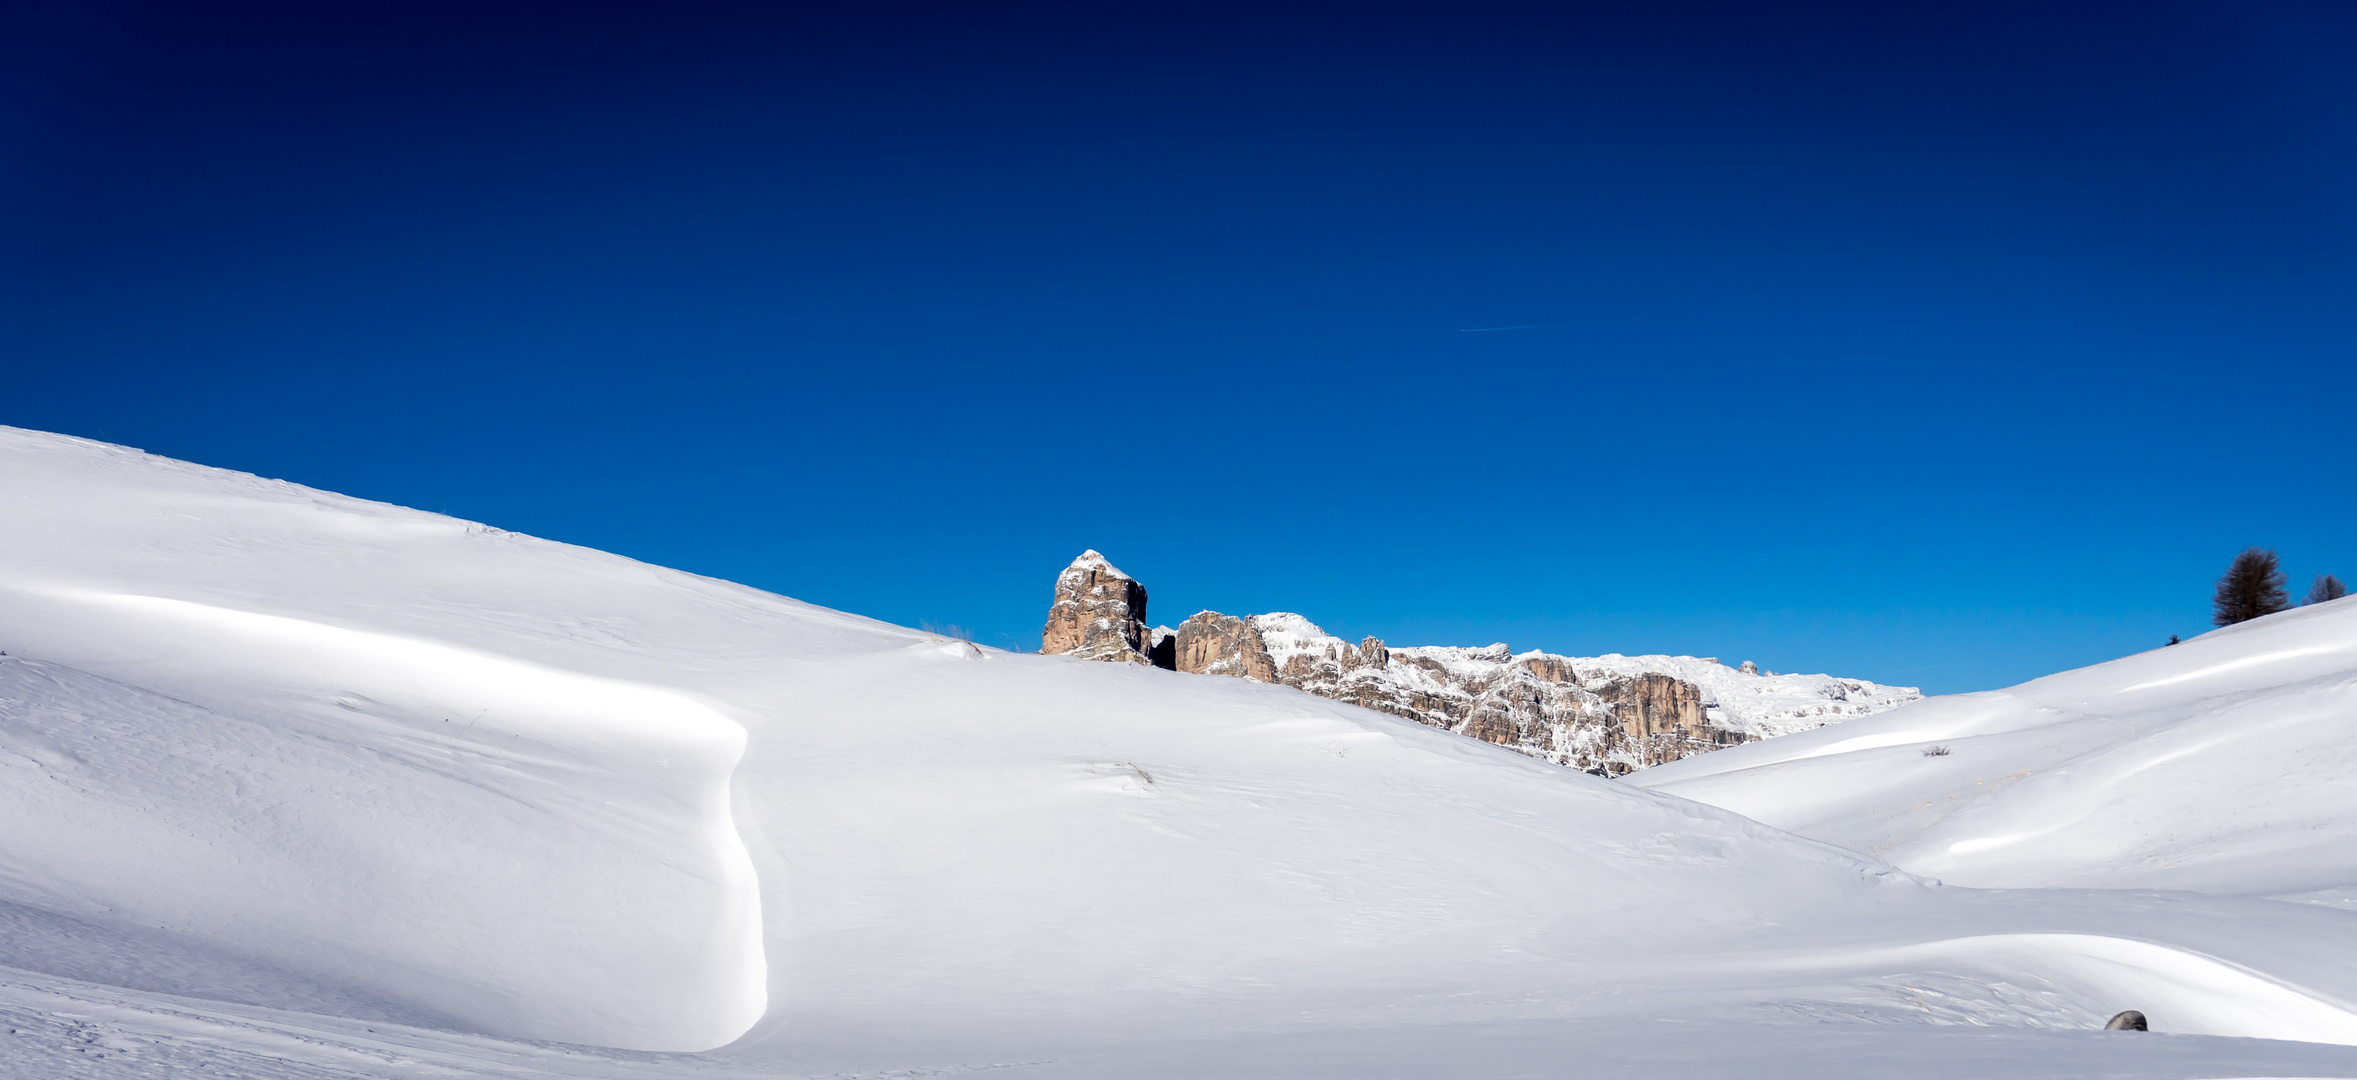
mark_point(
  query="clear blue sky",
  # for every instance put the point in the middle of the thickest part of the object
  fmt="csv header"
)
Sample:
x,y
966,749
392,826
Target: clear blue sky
x,y
1943,344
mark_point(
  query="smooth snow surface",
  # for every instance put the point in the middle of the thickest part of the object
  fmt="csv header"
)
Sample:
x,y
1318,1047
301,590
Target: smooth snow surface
x,y
2226,764
299,785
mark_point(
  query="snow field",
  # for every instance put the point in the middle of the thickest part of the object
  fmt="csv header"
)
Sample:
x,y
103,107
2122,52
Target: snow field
x,y
302,786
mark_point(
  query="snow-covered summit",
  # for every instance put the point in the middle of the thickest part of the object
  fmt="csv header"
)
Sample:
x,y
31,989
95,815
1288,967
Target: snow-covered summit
x,y
1092,559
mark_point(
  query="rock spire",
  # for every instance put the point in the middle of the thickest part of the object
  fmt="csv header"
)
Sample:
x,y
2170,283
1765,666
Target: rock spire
x,y
1099,613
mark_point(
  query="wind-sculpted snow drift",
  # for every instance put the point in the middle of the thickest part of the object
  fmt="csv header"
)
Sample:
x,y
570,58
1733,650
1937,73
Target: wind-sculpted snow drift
x,y
298,785
492,841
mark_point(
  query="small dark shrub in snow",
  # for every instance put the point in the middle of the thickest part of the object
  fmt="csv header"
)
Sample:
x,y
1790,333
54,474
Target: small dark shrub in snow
x,y
1937,751
2253,586
2327,587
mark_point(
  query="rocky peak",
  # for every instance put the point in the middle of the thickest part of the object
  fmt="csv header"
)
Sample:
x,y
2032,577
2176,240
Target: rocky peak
x,y
1099,613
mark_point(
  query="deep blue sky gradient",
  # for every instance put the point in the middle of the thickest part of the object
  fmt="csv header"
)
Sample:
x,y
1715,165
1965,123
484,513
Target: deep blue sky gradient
x,y
1950,345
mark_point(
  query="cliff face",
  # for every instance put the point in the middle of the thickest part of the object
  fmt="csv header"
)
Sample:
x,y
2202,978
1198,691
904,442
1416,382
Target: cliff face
x,y
1605,714
1210,643
1099,613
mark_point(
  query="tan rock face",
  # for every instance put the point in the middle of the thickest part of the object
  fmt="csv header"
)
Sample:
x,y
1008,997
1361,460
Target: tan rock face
x,y
1210,643
1099,613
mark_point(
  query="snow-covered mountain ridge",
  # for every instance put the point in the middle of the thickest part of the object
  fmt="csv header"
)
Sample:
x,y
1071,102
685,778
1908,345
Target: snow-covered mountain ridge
x,y
1757,704
303,786
1608,714
1602,714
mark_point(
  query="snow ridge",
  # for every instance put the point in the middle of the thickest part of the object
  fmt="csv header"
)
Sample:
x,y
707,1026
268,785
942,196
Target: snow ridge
x,y
2221,764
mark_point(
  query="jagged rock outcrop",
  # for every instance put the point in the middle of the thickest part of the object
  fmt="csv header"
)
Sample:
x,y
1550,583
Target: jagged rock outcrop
x,y
1605,714
1099,614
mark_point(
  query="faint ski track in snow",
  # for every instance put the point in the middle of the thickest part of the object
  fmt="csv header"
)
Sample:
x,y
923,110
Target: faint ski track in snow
x,y
1864,742
2231,665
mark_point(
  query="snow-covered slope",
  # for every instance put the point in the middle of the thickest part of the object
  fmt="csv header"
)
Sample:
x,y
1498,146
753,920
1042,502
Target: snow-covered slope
x,y
301,785
2226,764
